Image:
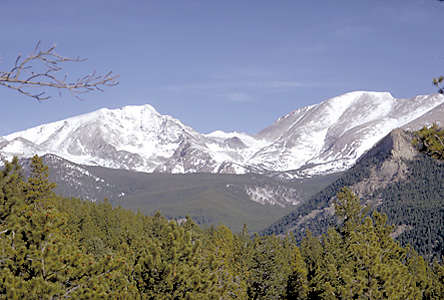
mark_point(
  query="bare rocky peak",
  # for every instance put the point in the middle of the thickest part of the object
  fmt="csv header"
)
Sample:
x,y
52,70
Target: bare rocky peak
x,y
393,150
397,144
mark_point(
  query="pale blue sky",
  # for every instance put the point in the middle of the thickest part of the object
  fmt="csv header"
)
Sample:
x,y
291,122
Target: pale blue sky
x,y
224,65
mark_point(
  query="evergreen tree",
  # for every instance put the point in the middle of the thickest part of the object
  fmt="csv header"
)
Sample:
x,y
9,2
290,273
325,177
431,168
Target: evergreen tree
x,y
269,270
226,255
171,267
312,252
360,260
101,252
297,285
38,189
10,196
431,141
39,260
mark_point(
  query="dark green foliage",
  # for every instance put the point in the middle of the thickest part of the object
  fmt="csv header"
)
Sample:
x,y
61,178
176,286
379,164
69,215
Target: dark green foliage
x,y
416,203
297,283
430,141
38,189
270,268
359,259
58,248
170,267
38,257
10,194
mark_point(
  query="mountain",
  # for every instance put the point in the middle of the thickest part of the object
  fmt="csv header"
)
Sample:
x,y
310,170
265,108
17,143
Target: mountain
x,y
332,135
320,139
384,164
393,178
135,157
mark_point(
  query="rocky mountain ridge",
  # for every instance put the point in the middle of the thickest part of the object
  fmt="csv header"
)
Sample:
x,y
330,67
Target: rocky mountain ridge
x,y
386,163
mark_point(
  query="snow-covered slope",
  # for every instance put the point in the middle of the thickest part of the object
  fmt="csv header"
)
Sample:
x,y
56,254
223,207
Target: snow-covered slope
x,y
318,139
332,135
134,137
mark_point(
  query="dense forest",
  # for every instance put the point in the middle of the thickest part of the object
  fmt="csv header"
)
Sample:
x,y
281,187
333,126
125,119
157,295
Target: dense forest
x,y
56,248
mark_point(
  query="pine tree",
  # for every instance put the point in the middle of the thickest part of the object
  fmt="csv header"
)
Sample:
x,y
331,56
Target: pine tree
x,y
171,266
431,141
269,269
10,196
39,258
225,255
359,259
438,81
38,189
297,285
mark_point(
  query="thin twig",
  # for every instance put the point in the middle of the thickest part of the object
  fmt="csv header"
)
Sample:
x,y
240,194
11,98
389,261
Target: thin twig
x,y
22,77
440,141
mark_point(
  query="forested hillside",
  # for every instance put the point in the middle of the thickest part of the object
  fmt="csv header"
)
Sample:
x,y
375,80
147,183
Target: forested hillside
x,y
411,196
315,214
57,248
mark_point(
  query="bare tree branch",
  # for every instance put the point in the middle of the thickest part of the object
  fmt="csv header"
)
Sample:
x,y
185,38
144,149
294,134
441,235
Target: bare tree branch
x,y
23,77
439,140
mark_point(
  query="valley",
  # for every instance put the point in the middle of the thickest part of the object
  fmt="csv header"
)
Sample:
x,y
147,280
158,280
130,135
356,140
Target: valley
x,y
210,199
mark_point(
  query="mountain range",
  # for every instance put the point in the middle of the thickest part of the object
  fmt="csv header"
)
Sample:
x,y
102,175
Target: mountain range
x,y
290,171
321,139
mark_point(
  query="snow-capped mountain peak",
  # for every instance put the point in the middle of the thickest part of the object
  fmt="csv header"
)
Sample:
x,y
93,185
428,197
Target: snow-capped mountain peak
x,y
322,138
